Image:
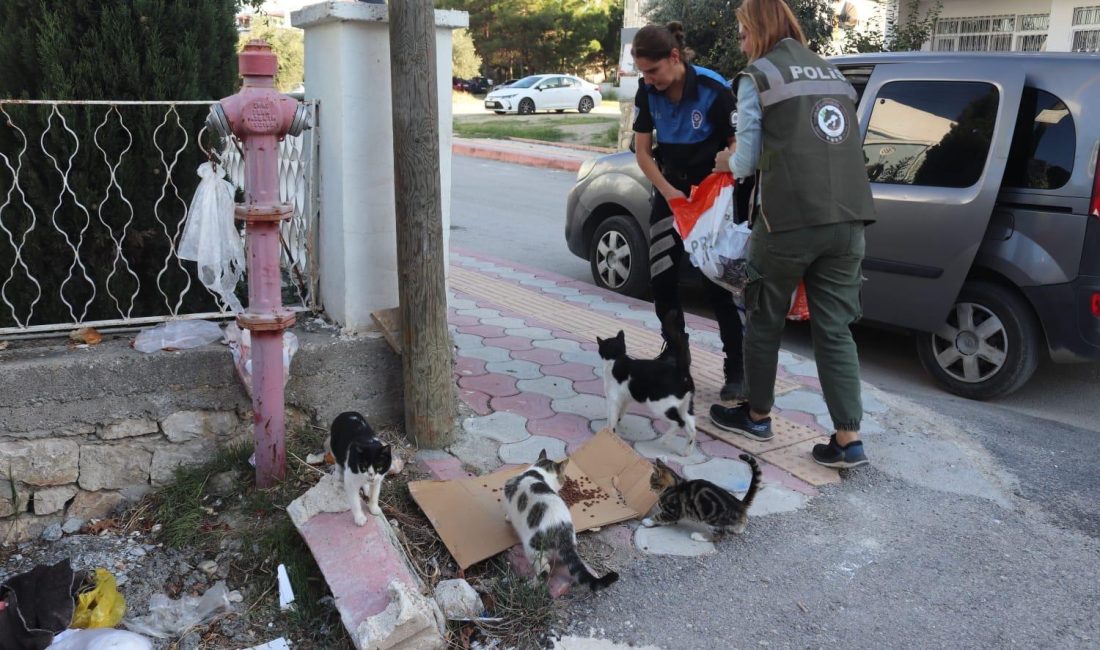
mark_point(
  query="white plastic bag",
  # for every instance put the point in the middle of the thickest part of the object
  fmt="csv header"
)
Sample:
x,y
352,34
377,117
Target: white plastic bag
x,y
210,238
178,335
170,618
240,345
99,639
714,242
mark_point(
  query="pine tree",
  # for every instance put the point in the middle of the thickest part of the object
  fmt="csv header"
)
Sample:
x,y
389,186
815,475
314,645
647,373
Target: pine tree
x,y
94,50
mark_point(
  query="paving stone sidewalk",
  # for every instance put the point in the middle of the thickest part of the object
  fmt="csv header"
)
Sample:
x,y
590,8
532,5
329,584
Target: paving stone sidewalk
x,y
527,367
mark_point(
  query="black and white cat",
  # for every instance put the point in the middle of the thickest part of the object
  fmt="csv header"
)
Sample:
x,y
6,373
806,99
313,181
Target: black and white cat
x,y
361,460
663,384
701,501
543,523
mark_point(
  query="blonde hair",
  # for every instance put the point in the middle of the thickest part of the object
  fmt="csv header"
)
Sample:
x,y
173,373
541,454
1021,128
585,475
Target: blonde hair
x,y
768,22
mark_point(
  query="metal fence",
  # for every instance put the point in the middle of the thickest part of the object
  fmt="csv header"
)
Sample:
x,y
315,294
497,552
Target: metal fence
x,y
93,199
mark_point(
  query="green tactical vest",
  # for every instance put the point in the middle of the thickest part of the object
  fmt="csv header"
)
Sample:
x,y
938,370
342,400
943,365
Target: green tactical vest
x,y
811,169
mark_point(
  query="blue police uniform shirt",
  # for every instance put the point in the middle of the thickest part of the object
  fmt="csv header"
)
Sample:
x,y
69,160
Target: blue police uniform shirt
x,y
692,131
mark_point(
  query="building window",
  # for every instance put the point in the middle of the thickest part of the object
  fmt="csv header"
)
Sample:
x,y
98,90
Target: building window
x,y
932,133
1033,23
1086,16
975,34
1086,40
1031,42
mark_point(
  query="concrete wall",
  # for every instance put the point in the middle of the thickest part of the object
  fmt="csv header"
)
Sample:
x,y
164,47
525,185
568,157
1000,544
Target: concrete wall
x,y
82,430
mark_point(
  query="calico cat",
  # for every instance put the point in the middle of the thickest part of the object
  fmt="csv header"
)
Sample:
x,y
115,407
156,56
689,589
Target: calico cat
x,y
701,501
663,384
543,523
361,459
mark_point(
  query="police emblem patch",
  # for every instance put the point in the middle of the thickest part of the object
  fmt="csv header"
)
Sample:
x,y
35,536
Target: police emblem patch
x,y
696,119
829,121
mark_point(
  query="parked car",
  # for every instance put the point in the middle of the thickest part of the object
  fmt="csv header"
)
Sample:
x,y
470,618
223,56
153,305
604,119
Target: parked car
x,y
542,92
984,173
479,85
505,83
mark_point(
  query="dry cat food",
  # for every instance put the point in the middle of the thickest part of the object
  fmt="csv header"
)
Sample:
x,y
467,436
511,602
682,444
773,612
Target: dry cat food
x,y
574,491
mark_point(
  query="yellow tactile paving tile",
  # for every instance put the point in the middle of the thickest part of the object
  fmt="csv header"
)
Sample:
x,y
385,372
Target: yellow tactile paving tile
x,y
796,459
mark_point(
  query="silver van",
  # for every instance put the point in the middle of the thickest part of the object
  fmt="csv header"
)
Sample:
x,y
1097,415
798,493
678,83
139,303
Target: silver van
x,y
987,244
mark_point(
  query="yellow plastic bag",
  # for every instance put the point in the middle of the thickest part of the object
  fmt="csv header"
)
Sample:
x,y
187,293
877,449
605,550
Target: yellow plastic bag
x,y
100,606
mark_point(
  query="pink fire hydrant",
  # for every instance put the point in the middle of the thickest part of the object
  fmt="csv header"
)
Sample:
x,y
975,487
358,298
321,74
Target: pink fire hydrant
x,y
260,117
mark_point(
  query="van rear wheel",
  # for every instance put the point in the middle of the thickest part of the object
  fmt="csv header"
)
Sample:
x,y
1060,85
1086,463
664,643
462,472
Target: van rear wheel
x,y
989,345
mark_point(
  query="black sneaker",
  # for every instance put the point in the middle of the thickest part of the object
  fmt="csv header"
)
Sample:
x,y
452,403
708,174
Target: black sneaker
x,y
833,455
738,420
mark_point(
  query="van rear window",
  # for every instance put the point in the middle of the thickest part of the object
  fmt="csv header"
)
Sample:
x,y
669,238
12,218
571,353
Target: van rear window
x,y
1043,145
935,133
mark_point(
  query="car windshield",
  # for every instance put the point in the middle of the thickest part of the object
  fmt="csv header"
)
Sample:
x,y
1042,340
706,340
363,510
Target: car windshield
x,y
526,82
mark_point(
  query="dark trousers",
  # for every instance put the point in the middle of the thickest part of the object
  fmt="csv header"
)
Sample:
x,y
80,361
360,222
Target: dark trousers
x,y
828,259
666,253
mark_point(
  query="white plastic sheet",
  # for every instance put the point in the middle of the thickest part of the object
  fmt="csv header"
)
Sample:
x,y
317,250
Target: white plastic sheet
x,y
210,238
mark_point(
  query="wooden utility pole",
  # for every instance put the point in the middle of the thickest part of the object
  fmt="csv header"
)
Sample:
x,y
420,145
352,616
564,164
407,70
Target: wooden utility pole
x,y
426,359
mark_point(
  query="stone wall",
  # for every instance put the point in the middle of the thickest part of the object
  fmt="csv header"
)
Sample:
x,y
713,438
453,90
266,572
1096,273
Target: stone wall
x,y
83,430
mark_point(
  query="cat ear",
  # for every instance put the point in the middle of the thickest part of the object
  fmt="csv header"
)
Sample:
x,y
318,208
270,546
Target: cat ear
x,y
599,341
620,335
559,467
542,455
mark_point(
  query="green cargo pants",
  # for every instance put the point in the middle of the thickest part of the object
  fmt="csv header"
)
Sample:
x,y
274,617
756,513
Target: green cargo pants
x,y
828,258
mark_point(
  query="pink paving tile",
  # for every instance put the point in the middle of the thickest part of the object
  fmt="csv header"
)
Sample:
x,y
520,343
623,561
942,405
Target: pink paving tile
x,y
800,417
541,356
530,405
717,448
772,474
358,563
476,400
462,321
493,384
482,330
570,427
589,386
469,366
443,469
574,371
509,343
808,382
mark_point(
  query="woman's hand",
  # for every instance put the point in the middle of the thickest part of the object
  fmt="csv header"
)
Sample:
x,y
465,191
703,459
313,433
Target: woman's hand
x,y
673,193
722,160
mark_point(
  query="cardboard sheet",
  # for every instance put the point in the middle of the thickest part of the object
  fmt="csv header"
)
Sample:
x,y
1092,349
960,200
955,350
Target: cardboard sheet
x,y
468,514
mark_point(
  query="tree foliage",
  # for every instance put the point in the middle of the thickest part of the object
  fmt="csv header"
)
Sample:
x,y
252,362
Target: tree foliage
x,y
711,28
94,50
519,37
906,36
464,57
287,43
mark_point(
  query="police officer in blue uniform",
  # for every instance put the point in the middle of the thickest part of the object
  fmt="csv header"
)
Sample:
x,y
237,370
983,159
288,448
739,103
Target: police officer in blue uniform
x,y
692,111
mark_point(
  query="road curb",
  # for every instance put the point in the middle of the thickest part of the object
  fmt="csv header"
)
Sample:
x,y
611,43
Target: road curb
x,y
530,160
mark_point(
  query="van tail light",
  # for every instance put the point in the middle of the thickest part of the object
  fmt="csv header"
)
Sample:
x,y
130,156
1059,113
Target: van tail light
x,y
1094,205
1094,304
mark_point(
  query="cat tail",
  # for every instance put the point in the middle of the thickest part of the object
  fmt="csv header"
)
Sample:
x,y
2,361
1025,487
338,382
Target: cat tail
x,y
754,485
579,570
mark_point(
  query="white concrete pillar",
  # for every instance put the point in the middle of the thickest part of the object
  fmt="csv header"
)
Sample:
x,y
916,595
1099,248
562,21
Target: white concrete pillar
x,y
1060,34
347,68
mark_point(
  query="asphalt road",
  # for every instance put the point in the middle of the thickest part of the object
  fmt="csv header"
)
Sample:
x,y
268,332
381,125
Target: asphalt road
x,y
977,524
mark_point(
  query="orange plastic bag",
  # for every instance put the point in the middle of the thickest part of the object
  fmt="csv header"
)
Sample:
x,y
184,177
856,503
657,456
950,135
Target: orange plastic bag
x,y
800,307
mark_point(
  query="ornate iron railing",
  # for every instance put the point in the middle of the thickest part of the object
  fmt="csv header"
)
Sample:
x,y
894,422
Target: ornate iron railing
x,y
93,198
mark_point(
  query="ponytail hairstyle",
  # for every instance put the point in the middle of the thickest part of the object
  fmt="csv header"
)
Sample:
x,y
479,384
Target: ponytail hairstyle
x,y
656,42
768,22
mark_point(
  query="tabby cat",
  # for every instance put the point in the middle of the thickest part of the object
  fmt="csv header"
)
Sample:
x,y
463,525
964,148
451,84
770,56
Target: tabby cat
x,y
543,523
663,384
361,460
701,501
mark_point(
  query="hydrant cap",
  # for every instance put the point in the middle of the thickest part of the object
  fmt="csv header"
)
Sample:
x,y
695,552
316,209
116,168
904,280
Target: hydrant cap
x,y
257,60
